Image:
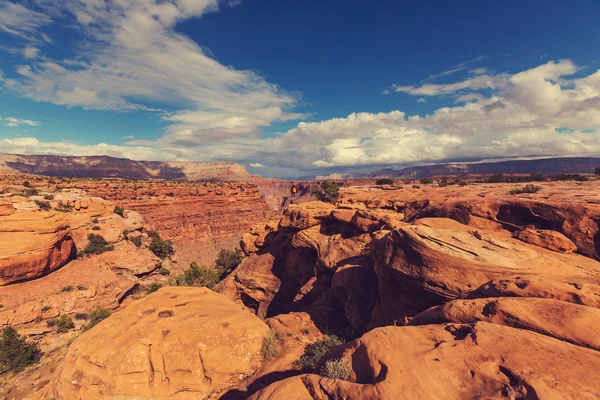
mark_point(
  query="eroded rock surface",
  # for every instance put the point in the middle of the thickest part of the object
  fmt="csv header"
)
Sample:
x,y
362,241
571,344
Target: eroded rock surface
x,y
183,343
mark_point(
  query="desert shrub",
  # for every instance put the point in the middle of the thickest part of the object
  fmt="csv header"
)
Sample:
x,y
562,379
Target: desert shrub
x,y
337,368
63,208
497,178
96,228
161,248
530,188
81,316
137,241
198,276
462,183
314,351
426,181
228,260
49,197
164,271
81,287
597,170
97,245
384,181
51,182
26,184
16,353
67,289
62,323
416,187
153,287
328,192
570,177
119,210
96,316
30,192
95,221
42,204
269,348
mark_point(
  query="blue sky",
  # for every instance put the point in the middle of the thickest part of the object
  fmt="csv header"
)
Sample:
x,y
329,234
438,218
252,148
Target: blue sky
x,y
300,88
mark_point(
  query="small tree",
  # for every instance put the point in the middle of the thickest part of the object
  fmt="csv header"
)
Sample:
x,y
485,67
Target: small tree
x,y
314,351
16,353
198,276
119,210
161,248
328,192
228,260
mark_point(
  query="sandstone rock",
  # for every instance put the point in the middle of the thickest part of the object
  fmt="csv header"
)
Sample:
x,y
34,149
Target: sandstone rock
x,y
127,257
569,322
305,215
374,220
419,267
184,343
456,361
551,240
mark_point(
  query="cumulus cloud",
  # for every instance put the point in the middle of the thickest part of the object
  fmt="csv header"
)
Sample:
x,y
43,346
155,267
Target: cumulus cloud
x,y
13,122
257,165
133,59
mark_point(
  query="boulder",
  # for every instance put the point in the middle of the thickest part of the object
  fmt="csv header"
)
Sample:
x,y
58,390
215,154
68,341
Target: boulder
x,y
569,322
305,215
183,343
547,239
453,361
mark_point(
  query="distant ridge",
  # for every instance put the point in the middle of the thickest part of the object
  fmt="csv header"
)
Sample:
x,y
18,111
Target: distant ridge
x,y
564,165
112,167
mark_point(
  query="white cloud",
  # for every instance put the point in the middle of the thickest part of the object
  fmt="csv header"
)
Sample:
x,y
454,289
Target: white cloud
x,y
257,165
457,68
30,52
133,59
12,122
421,100
20,21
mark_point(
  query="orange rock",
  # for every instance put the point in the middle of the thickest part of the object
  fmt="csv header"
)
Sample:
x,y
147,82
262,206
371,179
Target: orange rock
x,y
548,239
452,361
179,342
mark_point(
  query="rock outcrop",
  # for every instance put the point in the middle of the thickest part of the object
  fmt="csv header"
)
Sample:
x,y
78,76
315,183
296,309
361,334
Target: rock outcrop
x,y
183,343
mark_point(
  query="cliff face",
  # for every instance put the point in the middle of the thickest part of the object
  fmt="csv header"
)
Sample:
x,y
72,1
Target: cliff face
x,y
111,167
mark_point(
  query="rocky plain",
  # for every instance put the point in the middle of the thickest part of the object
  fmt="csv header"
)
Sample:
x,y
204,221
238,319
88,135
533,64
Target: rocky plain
x,y
406,291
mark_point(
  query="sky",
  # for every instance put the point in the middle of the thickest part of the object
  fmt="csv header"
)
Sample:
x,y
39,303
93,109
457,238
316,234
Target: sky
x,y
301,88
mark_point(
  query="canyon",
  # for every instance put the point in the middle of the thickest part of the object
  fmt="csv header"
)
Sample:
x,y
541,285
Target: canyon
x,y
431,290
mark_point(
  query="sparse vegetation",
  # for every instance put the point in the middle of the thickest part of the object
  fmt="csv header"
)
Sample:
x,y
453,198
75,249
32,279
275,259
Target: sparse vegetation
x,y
30,192
161,248
49,197
228,260
64,208
198,276
337,368
269,348
67,289
97,245
26,184
16,353
164,271
62,323
426,181
597,170
81,316
384,181
119,210
95,221
328,192
314,351
96,316
530,188
43,204
153,287
96,228
137,241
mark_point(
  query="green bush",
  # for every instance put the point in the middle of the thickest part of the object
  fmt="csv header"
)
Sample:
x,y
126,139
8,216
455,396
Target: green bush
x,y
314,351
97,245
62,323
269,348
81,316
16,353
119,210
48,197
384,181
198,276
137,241
42,204
337,368
525,189
228,260
426,181
96,316
328,192
164,271
153,287
161,248
30,192
26,184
